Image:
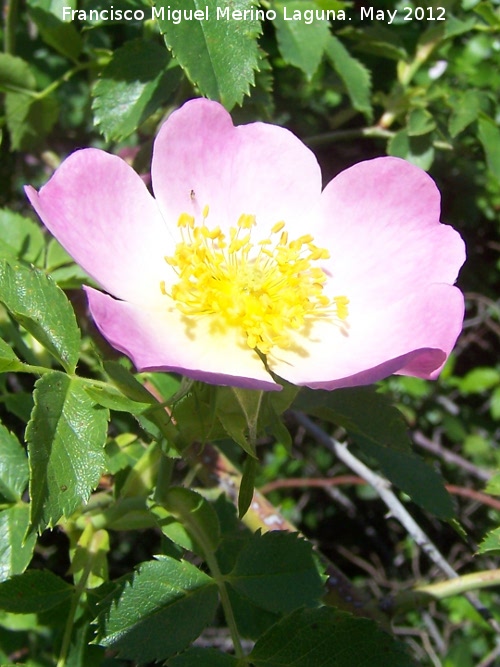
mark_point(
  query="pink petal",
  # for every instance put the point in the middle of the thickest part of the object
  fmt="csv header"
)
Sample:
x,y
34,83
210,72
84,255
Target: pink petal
x,y
99,209
381,219
201,159
412,336
160,340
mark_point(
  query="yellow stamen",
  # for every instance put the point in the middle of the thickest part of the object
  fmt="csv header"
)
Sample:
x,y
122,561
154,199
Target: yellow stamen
x,y
265,290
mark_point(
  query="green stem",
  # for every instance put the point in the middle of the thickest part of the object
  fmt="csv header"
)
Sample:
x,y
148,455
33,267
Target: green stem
x,y
164,478
67,76
374,132
211,561
213,566
462,584
36,370
11,11
79,590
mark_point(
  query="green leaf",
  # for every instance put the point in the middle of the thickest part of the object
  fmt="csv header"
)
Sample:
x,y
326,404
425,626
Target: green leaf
x,y
66,437
89,559
362,411
278,572
355,76
134,84
15,551
238,412
418,150
62,268
29,118
488,13
379,429
301,44
455,26
61,35
491,543
495,404
489,136
479,380
130,387
8,360
196,515
465,111
14,471
378,40
127,383
247,485
412,475
204,657
311,637
111,398
34,591
15,73
420,122
493,485
218,54
21,238
163,595
36,303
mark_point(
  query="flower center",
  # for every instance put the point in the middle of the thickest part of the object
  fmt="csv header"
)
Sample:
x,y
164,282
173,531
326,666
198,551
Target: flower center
x,y
266,289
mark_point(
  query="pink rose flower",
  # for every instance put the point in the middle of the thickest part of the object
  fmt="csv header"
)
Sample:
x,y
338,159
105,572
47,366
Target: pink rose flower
x,y
240,260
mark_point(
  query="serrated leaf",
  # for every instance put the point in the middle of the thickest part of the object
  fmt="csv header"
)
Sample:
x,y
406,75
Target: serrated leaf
x,y
493,485
14,471
417,150
278,572
355,76
301,44
206,657
379,429
15,551
489,136
412,475
310,637
29,118
491,543
15,73
36,303
66,437
362,411
219,55
134,84
163,594
21,238
33,591
61,35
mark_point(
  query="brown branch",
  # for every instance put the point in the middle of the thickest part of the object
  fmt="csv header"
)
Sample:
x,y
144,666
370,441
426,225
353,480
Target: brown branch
x,y
450,457
340,480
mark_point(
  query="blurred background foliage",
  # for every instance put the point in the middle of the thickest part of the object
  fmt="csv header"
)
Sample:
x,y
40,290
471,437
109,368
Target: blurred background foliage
x,y
423,89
